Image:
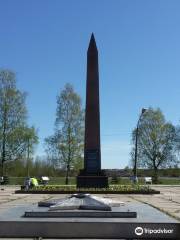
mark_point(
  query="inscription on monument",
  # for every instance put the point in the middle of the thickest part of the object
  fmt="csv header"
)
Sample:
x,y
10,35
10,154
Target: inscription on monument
x,y
92,157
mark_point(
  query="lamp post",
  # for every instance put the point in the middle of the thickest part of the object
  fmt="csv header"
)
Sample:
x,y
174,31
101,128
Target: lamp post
x,y
136,146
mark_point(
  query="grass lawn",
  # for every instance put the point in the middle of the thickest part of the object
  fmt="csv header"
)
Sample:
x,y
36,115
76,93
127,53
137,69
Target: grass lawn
x,y
72,181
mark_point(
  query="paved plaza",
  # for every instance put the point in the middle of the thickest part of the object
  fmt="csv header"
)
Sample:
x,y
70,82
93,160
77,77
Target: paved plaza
x,y
168,201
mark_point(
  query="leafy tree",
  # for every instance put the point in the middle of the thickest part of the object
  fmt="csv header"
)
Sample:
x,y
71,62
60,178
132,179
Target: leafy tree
x,y
177,144
30,141
66,145
156,139
53,151
13,115
41,167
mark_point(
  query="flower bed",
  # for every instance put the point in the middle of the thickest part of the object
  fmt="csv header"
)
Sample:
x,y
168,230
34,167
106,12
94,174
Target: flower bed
x,y
69,189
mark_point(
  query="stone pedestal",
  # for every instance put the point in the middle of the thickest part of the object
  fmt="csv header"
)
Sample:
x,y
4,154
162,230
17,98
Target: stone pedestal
x,y
92,181
85,180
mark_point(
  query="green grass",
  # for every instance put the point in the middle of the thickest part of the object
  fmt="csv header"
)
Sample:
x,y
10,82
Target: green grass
x,y
72,181
169,181
53,180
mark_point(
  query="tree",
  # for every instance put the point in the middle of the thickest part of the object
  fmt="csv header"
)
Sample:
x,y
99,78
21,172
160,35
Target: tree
x,y
53,151
156,139
13,116
30,141
65,147
177,144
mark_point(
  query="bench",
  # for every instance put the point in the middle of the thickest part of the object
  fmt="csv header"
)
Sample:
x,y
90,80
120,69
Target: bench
x,y
44,180
148,180
4,180
1,180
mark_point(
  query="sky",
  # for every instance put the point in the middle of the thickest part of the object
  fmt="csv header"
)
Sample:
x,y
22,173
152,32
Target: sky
x,y
45,43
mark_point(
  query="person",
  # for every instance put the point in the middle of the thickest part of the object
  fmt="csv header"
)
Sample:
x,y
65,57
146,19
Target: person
x,y
34,182
27,183
134,179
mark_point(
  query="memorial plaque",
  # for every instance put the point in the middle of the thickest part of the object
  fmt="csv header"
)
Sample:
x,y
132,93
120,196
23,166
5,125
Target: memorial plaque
x,y
92,160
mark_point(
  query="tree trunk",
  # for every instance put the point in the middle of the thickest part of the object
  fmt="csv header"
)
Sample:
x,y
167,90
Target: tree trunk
x,y
2,168
69,155
155,175
4,140
67,175
3,153
28,153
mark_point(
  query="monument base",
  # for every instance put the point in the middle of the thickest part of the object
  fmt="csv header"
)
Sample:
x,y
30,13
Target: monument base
x,y
153,224
92,181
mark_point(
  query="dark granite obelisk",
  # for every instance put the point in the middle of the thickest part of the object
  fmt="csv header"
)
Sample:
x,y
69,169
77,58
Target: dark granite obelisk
x,y
92,175
92,150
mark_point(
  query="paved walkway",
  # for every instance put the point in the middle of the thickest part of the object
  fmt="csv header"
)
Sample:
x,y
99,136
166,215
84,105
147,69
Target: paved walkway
x,y
167,201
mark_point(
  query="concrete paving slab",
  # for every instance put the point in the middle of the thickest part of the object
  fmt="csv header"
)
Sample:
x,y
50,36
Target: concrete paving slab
x,y
145,213
167,201
13,222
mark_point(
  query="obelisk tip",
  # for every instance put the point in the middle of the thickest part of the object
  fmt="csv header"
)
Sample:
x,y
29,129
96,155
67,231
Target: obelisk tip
x,y
92,44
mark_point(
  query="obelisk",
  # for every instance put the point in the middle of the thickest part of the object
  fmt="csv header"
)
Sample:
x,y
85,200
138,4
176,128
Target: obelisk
x,y
92,150
92,175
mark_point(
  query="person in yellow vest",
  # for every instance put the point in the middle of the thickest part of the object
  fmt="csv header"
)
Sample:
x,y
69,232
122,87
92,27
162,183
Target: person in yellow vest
x,y
34,182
